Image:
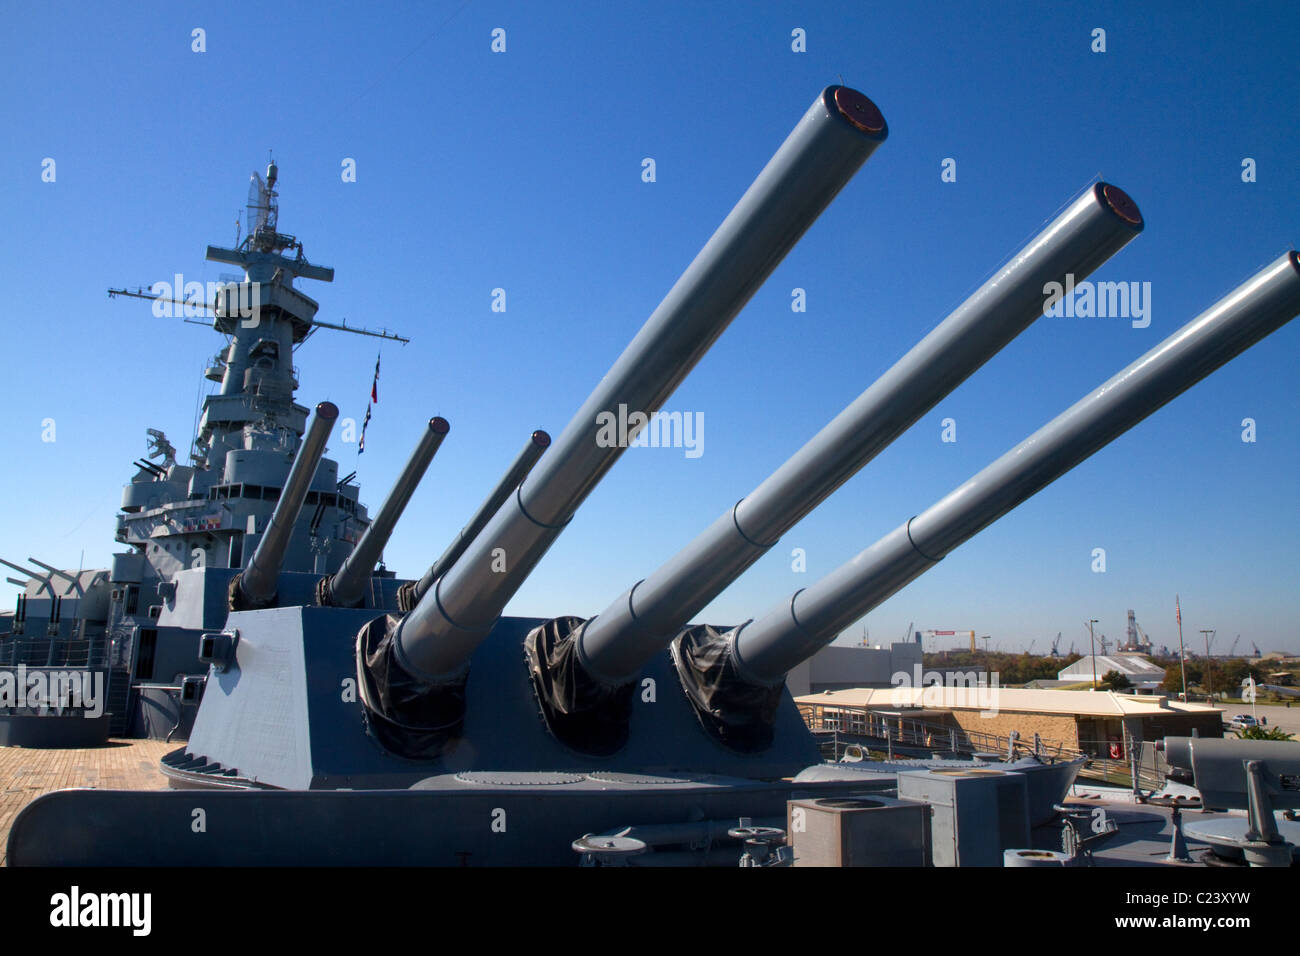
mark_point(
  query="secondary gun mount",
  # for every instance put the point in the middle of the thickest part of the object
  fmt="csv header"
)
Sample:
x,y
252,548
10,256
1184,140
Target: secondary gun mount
x,y
1259,776
408,595
254,587
346,587
412,670
584,674
735,677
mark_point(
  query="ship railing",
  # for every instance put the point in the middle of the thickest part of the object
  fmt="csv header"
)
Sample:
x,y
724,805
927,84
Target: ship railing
x,y
53,652
1113,762
866,727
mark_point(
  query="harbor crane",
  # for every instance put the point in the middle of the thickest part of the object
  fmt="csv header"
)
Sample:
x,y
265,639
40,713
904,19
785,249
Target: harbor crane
x,y
1056,644
950,634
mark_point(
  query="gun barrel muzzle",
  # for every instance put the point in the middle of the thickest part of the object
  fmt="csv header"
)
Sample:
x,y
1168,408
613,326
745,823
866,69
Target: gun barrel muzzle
x,y
766,649
347,586
537,443
618,642
834,138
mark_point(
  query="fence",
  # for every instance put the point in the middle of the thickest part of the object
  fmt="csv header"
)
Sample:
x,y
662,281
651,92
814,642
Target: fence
x,y
53,652
840,728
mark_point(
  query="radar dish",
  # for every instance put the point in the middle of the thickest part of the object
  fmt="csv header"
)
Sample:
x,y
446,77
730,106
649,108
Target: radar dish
x,y
259,204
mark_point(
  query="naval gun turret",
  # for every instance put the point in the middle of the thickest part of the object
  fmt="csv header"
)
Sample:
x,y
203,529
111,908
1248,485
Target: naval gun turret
x,y
426,654
733,675
346,587
255,586
585,673
450,734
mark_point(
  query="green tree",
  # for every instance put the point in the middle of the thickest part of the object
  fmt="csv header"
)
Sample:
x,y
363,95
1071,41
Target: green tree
x,y
1233,672
1173,682
1117,680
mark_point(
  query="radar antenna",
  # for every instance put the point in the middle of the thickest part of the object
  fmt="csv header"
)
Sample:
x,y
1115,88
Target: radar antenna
x,y
262,248
160,447
262,209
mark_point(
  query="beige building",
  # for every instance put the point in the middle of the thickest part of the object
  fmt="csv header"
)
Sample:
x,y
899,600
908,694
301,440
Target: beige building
x,y
1094,722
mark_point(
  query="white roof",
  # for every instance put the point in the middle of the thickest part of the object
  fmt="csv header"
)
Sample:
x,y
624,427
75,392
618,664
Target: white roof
x,y
1130,665
1012,699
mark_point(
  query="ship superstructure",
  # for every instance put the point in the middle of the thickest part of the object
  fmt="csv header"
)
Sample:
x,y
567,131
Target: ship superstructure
x,y
188,526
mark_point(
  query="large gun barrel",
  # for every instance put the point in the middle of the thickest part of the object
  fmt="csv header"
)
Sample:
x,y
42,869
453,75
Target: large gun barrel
x,y
766,649
346,587
834,138
409,594
255,586
617,643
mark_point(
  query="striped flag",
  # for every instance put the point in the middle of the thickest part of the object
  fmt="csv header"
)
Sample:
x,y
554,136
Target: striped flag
x,y
374,399
1178,611
361,445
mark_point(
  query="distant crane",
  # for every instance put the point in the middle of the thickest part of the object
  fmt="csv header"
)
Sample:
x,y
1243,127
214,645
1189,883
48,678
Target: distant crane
x,y
952,634
1056,644
1105,644
1233,648
1146,640
1256,647
907,636
1030,649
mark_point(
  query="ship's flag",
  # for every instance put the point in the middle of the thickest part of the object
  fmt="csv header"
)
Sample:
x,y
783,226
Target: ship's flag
x,y
374,400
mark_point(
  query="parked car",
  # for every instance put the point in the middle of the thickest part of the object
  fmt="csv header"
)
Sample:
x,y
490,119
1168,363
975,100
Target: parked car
x,y
1242,722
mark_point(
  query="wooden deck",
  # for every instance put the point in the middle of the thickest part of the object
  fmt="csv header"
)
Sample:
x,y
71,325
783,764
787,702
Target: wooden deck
x,y
25,774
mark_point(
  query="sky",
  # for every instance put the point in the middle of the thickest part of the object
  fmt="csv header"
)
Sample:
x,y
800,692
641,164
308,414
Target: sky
x,y
522,170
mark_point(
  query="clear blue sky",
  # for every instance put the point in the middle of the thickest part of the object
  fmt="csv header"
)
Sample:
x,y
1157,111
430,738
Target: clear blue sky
x,y
522,170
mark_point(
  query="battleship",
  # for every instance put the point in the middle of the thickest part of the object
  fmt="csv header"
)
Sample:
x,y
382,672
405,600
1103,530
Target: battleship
x,y
348,717
116,650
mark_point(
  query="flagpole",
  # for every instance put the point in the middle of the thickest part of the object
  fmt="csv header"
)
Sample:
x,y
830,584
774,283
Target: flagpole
x,y
1182,655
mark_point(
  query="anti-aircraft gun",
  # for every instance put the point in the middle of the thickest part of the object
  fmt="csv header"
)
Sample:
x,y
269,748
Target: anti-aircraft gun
x,y
1261,777
451,734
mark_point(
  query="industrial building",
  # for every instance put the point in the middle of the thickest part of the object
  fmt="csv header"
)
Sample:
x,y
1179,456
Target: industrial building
x,y
1144,676
840,667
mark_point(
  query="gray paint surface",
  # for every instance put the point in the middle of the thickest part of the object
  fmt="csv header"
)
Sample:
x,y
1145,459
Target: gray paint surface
x,y
643,620
811,167
287,714
769,647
